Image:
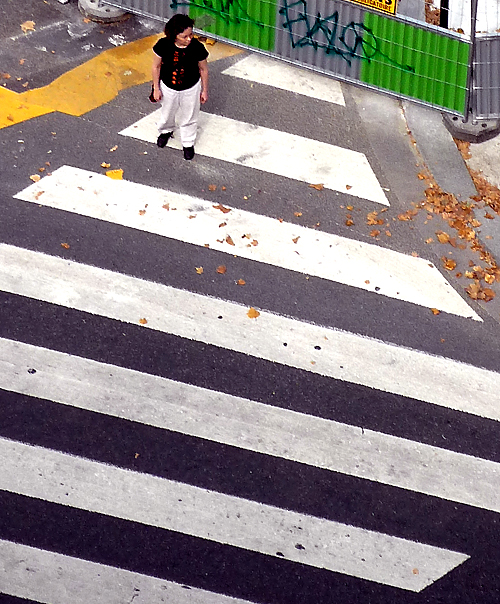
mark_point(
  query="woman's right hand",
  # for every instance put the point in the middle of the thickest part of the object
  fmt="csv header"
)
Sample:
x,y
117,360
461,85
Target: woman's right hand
x,y
157,94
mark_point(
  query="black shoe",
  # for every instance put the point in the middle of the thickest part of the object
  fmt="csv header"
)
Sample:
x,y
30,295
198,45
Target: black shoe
x,y
188,152
163,139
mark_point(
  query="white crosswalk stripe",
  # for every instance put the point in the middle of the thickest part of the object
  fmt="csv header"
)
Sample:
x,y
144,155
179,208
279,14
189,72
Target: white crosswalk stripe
x,y
276,152
263,70
57,576
35,470
260,238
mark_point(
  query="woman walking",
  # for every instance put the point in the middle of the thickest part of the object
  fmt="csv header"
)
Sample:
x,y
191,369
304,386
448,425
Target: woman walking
x,y
180,81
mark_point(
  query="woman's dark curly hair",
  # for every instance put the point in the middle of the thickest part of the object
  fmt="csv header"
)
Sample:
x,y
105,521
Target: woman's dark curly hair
x,y
176,25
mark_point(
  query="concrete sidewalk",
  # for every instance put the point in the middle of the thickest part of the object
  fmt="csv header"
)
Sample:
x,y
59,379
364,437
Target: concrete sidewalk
x,y
474,223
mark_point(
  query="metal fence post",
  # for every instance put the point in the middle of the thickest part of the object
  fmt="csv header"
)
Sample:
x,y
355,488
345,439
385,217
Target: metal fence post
x,y
470,83
470,128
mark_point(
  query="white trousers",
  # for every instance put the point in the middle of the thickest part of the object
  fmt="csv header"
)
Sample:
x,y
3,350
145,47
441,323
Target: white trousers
x,y
183,105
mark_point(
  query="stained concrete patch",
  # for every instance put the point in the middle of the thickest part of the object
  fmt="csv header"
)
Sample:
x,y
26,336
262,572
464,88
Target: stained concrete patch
x,y
14,13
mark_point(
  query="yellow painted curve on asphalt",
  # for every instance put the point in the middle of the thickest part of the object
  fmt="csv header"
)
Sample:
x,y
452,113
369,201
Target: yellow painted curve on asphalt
x,y
92,84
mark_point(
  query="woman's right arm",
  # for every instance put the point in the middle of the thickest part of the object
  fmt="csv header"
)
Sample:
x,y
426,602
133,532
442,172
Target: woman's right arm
x,y
156,76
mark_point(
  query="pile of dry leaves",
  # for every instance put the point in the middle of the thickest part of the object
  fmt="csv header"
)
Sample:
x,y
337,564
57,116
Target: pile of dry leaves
x,y
462,227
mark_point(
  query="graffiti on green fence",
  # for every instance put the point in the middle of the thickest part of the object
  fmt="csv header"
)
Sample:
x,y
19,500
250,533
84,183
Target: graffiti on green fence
x,y
351,41
230,11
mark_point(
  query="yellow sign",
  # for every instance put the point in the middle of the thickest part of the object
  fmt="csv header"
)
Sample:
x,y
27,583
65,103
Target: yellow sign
x,y
386,6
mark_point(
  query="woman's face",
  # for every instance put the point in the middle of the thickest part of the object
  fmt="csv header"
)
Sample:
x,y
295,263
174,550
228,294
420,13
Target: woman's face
x,y
184,38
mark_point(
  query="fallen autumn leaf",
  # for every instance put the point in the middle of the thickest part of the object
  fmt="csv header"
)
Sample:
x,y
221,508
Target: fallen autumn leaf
x,y
220,207
115,174
449,264
442,237
371,219
28,26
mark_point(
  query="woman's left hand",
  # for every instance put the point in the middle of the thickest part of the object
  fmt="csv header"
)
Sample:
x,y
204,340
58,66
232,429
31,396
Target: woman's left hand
x,y
203,97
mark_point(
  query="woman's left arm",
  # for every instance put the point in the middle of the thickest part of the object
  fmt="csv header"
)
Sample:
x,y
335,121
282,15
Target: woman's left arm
x,y
203,65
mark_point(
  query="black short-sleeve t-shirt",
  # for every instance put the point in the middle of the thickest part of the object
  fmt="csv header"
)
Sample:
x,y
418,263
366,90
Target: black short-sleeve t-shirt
x,y
179,66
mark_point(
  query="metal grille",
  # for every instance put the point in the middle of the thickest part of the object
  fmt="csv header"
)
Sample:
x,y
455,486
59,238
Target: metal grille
x,y
487,77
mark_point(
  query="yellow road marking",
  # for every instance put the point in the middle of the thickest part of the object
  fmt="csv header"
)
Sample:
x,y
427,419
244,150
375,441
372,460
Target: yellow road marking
x,y
92,84
13,109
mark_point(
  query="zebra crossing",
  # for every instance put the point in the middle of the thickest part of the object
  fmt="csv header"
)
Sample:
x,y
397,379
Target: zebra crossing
x,y
126,479
248,235
250,425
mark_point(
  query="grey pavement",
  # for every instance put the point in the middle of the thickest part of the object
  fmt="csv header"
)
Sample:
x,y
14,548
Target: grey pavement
x,y
62,39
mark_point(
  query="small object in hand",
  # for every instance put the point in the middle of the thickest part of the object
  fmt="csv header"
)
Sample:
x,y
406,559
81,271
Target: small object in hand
x,y
152,95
